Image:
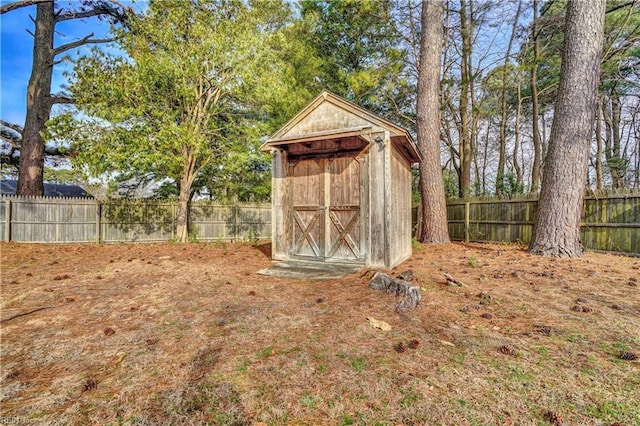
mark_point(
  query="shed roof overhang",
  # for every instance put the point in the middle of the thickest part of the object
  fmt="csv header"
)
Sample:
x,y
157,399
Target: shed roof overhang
x,y
327,143
317,136
332,141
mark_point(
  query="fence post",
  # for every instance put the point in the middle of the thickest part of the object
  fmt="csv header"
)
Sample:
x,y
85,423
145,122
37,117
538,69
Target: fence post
x,y
7,220
98,220
57,222
467,205
236,224
173,221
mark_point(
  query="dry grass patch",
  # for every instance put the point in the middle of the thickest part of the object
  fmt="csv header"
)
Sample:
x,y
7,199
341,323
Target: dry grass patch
x,y
189,334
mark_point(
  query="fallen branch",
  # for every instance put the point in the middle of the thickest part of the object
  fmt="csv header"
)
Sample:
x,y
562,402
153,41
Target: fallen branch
x,y
453,281
26,313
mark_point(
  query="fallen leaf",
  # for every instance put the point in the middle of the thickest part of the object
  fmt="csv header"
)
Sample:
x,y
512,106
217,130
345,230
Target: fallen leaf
x,y
384,326
121,358
444,342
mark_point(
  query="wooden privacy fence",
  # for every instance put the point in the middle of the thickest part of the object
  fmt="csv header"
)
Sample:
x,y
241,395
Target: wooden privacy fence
x,y
66,220
609,223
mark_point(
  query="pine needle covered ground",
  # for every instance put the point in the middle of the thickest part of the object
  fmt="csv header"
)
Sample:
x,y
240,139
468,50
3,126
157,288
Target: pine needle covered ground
x,y
189,334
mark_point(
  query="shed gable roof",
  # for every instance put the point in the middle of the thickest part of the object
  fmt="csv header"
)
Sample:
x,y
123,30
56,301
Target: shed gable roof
x,y
329,114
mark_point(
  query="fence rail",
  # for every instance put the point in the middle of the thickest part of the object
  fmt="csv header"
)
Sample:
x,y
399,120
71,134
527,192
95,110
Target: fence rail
x,y
66,220
609,223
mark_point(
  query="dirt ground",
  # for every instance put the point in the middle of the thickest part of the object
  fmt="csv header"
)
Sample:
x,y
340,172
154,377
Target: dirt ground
x,y
152,334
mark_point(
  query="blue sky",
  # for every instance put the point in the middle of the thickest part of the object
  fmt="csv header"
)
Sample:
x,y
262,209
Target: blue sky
x,y
16,49
15,63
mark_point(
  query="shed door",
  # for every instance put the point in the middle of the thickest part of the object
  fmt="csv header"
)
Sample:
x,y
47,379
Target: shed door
x,y
326,209
307,215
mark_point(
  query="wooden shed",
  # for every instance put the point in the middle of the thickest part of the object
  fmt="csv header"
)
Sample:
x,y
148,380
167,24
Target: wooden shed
x,y
341,186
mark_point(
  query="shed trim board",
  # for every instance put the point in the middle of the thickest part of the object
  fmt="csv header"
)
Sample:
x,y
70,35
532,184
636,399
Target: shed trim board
x,y
331,134
341,185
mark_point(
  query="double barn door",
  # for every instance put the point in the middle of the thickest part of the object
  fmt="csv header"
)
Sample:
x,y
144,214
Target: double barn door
x,y
325,212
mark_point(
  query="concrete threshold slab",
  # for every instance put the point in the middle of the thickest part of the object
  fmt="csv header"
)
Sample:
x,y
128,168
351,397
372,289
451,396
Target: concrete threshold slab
x,y
310,270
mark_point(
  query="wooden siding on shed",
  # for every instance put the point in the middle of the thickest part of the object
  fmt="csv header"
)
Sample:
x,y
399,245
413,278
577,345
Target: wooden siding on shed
x,y
400,209
376,208
280,200
325,117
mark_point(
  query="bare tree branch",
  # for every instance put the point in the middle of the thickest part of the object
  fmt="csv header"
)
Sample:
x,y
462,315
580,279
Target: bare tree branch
x,y
15,127
9,159
11,134
57,152
18,4
73,45
60,99
10,138
14,146
14,160
84,40
103,9
621,5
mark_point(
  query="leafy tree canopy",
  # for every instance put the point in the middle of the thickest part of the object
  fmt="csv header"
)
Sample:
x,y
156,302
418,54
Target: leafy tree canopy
x,y
357,42
194,78
188,93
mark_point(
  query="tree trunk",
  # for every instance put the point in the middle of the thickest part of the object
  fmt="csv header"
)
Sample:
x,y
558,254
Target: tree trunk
x,y
502,157
535,120
621,161
434,206
182,218
465,148
556,229
447,114
478,186
31,169
186,182
616,161
485,159
516,144
636,134
598,162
